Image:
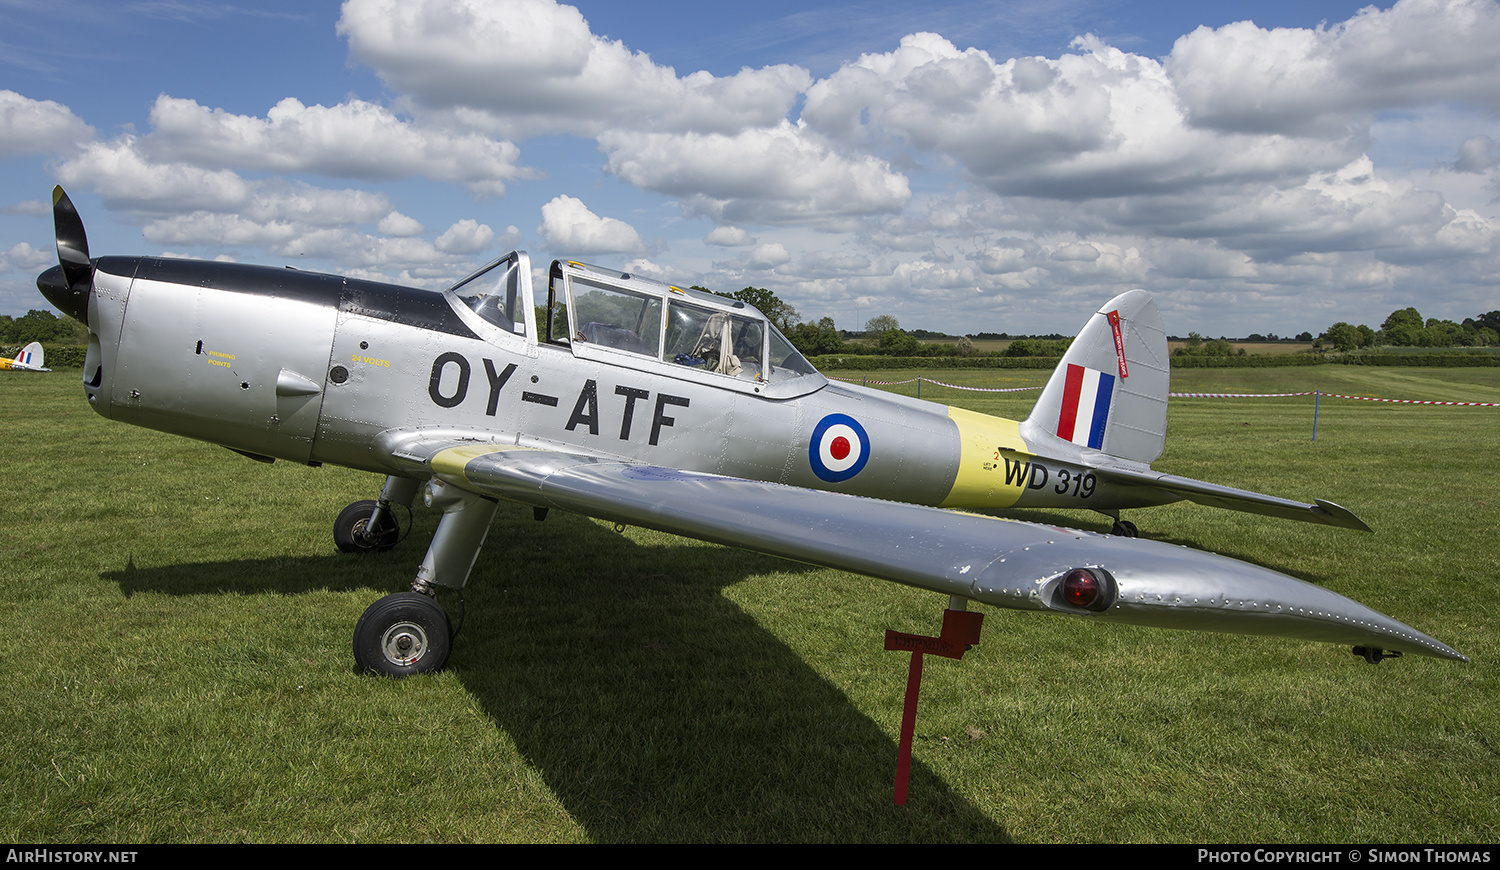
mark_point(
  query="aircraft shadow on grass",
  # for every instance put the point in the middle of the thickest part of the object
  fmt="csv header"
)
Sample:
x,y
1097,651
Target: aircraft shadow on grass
x,y
652,705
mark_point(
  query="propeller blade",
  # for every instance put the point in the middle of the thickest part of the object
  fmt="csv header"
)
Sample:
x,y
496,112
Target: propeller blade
x,y
68,285
72,242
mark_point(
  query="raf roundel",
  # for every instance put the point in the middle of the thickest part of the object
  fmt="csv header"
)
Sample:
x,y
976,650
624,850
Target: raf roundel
x,y
839,449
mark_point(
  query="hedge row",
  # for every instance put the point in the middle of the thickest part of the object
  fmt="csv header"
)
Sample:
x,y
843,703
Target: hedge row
x,y
1444,360
850,363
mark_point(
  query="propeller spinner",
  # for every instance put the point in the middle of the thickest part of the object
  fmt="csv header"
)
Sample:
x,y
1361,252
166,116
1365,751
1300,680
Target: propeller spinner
x,y
68,284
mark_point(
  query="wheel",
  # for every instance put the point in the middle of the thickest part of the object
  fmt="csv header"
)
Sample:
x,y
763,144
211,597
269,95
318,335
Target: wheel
x,y
1125,529
349,530
402,634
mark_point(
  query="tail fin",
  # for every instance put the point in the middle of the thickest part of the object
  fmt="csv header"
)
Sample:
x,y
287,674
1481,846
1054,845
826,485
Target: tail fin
x,y
30,356
1109,393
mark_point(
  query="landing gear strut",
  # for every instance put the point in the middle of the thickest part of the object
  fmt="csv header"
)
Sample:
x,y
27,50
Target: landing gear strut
x,y
354,532
370,526
409,632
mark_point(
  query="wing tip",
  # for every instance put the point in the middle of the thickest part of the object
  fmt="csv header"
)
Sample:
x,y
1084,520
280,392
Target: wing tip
x,y
1334,515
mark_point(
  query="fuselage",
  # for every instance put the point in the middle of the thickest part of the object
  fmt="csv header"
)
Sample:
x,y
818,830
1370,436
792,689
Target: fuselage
x,y
314,368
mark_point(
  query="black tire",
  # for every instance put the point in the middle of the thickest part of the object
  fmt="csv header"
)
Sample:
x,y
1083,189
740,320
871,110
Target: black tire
x,y
402,634
1125,529
349,530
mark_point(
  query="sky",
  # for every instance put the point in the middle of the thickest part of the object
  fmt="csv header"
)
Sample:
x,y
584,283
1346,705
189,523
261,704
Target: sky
x,y
1001,166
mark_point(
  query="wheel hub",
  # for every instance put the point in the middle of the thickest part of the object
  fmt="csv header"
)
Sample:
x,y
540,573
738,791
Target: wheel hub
x,y
403,644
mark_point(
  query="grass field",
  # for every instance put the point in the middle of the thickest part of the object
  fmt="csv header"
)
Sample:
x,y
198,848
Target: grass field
x,y
180,666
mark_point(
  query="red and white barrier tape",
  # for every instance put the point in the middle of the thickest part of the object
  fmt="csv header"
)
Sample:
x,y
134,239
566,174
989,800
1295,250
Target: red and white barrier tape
x,y
1187,395
1417,401
1236,395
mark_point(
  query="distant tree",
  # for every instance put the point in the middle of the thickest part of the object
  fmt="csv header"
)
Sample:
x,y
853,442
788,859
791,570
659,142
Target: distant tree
x,y
815,339
43,326
876,326
783,315
1444,333
1343,336
1489,320
1304,336
1404,316
897,343
1403,328
1038,347
1212,347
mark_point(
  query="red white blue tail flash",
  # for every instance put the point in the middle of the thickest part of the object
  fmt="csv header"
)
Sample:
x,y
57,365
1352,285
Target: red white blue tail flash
x,y
1085,406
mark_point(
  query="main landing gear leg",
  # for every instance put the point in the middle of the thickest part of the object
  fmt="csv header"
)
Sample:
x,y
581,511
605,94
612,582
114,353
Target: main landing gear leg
x,y
409,632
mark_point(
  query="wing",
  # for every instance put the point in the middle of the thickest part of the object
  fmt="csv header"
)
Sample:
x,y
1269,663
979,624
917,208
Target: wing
x,y
1005,563
1214,495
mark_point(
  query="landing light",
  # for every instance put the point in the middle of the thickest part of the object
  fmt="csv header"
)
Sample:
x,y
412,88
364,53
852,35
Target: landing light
x,y
1079,588
1087,588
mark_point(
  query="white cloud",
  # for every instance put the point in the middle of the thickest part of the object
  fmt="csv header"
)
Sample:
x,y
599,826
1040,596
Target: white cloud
x,y
729,237
22,257
221,230
762,257
398,224
355,139
1102,123
529,67
38,126
568,225
1295,81
128,180
29,208
773,175
125,179
465,237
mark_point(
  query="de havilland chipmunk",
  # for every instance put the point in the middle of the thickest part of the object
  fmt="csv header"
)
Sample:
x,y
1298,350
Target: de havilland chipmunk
x,y
646,404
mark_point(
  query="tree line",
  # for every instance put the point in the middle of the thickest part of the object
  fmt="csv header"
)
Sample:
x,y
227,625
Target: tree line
x,y
883,335
43,326
1407,328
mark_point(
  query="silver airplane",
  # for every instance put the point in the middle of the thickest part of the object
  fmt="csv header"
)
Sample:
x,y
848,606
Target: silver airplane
x,y
642,403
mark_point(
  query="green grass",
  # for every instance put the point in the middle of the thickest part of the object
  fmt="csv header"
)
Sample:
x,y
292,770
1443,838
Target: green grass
x,y
179,664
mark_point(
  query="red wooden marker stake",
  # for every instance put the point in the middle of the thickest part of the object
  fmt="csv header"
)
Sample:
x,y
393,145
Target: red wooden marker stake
x,y
960,631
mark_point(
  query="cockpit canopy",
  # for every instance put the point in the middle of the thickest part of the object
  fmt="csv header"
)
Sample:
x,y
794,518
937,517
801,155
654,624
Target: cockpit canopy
x,y
500,292
629,320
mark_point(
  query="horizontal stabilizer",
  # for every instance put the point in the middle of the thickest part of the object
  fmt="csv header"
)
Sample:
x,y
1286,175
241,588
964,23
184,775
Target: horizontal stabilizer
x,y
1213,495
